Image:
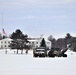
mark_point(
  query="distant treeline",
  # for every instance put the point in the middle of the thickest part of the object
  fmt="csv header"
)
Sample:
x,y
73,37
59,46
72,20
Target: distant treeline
x,y
64,42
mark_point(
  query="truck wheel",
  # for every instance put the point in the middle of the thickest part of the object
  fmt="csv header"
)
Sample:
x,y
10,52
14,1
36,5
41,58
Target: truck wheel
x,y
51,55
34,55
40,55
43,55
64,55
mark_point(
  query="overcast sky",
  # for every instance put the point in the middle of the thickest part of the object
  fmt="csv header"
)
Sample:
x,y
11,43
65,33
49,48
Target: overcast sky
x,y
36,17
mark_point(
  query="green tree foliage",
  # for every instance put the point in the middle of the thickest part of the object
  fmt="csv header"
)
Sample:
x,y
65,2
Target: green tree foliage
x,y
53,41
60,43
63,42
68,38
43,43
19,41
18,35
50,38
73,44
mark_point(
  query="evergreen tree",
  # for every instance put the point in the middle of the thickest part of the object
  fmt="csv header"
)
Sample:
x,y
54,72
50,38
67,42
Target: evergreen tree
x,y
19,41
67,39
52,40
43,43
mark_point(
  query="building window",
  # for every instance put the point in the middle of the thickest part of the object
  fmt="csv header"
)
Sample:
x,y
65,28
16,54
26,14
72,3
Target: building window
x,y
1,41
32,42
36,42
9,42
5,41
5,45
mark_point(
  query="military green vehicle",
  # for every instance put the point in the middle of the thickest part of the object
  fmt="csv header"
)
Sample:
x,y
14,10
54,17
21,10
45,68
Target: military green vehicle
x,y
40,52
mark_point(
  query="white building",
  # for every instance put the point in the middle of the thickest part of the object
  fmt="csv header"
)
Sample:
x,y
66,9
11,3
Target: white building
x,y
37,41
4,43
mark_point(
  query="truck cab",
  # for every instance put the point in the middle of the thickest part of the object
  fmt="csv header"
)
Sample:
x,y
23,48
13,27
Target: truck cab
x,y
40,52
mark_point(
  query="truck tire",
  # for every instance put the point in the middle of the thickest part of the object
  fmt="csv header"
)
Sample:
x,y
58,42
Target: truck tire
x,y
51,55
34,55
64,55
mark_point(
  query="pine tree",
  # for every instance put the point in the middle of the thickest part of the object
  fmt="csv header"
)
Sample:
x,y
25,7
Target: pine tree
x,y
43,43
19,41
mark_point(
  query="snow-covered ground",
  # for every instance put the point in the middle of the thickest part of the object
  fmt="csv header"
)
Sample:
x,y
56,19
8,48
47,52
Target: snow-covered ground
x,y
26,64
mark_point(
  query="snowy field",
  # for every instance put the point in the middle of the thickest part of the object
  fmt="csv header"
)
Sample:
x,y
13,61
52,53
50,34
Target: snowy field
x,y
26,64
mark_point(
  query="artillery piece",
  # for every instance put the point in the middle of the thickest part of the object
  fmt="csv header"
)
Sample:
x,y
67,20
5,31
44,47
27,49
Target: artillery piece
x,y
57,52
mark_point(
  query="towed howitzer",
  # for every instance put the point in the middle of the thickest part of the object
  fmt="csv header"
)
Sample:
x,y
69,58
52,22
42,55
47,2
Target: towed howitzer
x,y
57,52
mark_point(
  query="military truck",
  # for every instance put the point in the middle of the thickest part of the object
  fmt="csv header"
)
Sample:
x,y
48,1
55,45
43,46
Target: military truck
x,y
40,52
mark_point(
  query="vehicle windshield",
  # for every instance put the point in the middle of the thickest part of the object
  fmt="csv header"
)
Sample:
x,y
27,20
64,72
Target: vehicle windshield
x,y
40,49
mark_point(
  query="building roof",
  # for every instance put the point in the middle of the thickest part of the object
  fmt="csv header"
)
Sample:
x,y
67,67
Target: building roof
x,y
40,39
6,39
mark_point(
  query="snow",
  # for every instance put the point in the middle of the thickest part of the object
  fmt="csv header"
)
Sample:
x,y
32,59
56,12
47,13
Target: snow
x,y
26,64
